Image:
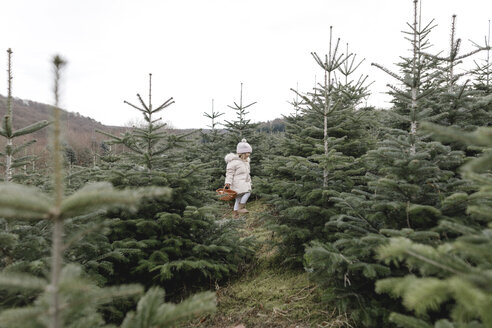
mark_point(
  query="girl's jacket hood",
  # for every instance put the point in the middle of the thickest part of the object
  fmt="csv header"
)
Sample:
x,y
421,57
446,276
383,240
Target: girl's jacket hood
x,y
232,157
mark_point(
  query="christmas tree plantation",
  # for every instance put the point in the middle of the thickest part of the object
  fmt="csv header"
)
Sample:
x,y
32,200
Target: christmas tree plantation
x,y
386,211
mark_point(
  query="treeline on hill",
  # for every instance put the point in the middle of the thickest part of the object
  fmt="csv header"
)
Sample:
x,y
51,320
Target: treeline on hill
x,y
80,141
388,210
82,145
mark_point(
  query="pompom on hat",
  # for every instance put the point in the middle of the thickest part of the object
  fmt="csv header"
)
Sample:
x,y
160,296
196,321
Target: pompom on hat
x,y
243,147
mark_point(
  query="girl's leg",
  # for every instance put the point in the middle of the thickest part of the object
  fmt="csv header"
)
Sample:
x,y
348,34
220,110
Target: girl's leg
x,y
242,204
236,204
244,198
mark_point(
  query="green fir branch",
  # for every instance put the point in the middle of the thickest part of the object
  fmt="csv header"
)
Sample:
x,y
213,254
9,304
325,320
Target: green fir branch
x,y
30,128
23,202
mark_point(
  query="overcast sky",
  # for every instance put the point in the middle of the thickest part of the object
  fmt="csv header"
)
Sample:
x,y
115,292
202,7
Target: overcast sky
x,y
199,50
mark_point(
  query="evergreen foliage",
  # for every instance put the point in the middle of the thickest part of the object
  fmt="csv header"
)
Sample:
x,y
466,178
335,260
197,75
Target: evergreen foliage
x,y
318,157
369,202
174,242
67,299
241,128
458,103
212,150
482,70
454,278
153,312
411,183
146,144
181,252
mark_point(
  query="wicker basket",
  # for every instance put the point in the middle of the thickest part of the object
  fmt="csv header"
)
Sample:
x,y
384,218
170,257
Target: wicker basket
x,y
226,194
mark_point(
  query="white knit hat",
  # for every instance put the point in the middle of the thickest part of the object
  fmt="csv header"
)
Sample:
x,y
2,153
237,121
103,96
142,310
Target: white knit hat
x,y
243,147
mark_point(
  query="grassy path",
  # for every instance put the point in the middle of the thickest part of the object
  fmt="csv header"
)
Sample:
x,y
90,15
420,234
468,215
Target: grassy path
x,y
267,295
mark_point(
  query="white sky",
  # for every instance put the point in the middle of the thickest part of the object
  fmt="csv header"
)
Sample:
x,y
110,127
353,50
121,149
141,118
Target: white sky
x,y
203,49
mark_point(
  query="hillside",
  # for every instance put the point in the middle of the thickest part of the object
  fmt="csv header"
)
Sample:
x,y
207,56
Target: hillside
x,y
27,112
79,131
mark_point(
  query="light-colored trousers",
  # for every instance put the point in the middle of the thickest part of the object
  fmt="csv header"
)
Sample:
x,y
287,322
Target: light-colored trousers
x,y
241,199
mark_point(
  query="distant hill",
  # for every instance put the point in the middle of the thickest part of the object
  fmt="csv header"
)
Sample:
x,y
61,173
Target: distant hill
x,y
78,130
26,112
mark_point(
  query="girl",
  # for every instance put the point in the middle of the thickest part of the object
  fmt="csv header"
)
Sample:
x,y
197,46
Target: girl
x,y
237,176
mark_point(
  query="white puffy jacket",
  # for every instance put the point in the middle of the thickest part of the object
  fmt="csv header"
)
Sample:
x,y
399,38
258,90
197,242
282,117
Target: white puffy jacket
x,y
237,173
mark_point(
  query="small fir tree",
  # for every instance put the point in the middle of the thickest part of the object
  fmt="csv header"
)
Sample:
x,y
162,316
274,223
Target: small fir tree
x,y
242,127
483,69
458,100
7,131
317,158
418,78
214,149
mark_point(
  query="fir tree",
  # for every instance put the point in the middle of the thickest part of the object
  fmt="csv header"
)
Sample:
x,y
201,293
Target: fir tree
x,y
214,145
418,78
482,70
457,271
324,101
242,127
457,100
145,143
7,131
317,158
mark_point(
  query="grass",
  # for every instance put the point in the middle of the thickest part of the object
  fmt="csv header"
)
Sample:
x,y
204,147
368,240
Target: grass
x,y
267,295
